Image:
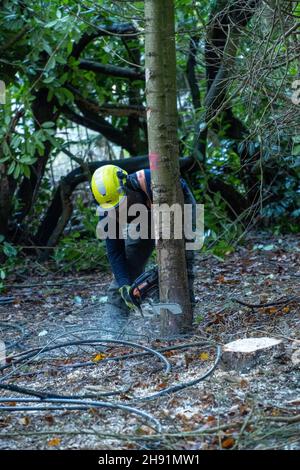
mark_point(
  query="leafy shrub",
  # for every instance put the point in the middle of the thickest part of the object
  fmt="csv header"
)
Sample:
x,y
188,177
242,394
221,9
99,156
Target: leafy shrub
x,y
8,258
79,250
79,254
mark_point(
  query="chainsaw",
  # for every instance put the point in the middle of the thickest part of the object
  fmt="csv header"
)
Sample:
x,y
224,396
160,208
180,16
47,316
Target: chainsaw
x,y
145,287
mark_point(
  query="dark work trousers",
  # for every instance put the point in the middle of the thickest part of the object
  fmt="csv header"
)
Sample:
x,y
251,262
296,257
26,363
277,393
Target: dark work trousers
x,y
138,253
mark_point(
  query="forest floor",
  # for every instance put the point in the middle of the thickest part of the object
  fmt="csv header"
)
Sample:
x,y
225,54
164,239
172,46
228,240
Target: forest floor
x,y
229,409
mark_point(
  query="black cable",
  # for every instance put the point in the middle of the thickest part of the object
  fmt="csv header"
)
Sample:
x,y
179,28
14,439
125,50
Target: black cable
x,y
29,391
6,300
51,398
35,352
166,391
135,355
87,404
43,395
42,408
181,386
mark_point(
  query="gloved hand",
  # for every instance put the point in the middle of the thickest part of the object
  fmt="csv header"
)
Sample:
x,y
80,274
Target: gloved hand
x,y
124,291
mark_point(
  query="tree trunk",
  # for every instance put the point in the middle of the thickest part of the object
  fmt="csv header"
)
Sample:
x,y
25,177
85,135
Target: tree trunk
x,y
162,120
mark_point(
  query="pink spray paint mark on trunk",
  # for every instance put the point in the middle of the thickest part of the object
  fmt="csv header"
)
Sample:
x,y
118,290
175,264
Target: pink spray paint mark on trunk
x,y
153,159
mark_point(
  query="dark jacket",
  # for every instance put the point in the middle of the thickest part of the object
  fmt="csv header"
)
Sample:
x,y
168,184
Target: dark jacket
x,y
139,181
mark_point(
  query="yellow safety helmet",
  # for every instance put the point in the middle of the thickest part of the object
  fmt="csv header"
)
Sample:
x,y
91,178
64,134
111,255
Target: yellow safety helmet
x,y
108,186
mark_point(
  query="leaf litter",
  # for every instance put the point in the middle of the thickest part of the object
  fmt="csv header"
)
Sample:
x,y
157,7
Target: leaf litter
x,y
228,410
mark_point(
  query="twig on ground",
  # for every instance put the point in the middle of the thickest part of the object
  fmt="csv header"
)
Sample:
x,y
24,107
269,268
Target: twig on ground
x,y
280,302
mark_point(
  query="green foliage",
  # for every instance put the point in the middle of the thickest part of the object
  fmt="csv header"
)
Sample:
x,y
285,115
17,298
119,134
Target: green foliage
x,y
199,318
36,54
283,208
23,148
75,253
8,259
80,250
221,233
32,57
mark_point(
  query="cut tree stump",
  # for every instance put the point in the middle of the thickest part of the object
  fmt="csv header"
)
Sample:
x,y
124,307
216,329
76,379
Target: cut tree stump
x,y
245,354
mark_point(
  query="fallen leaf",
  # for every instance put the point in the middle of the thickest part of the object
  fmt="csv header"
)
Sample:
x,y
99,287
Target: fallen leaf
x,y
169,353
49,419
188,358
217,318
210,419
99,357
174,402
54,442
270,310
130,446
243,409
228,442
144,430
244,383
5,421
204,356
161,385
25,420
182,417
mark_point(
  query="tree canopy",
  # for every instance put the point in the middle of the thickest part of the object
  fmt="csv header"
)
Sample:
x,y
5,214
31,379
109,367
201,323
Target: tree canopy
x,y
80,65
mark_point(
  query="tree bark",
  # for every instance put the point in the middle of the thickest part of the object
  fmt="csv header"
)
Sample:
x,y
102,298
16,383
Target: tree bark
x,y
191,72
160,58
111,70
103,30
98,124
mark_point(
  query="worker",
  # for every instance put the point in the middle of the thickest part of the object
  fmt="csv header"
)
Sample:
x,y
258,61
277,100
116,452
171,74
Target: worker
x,y
111,187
